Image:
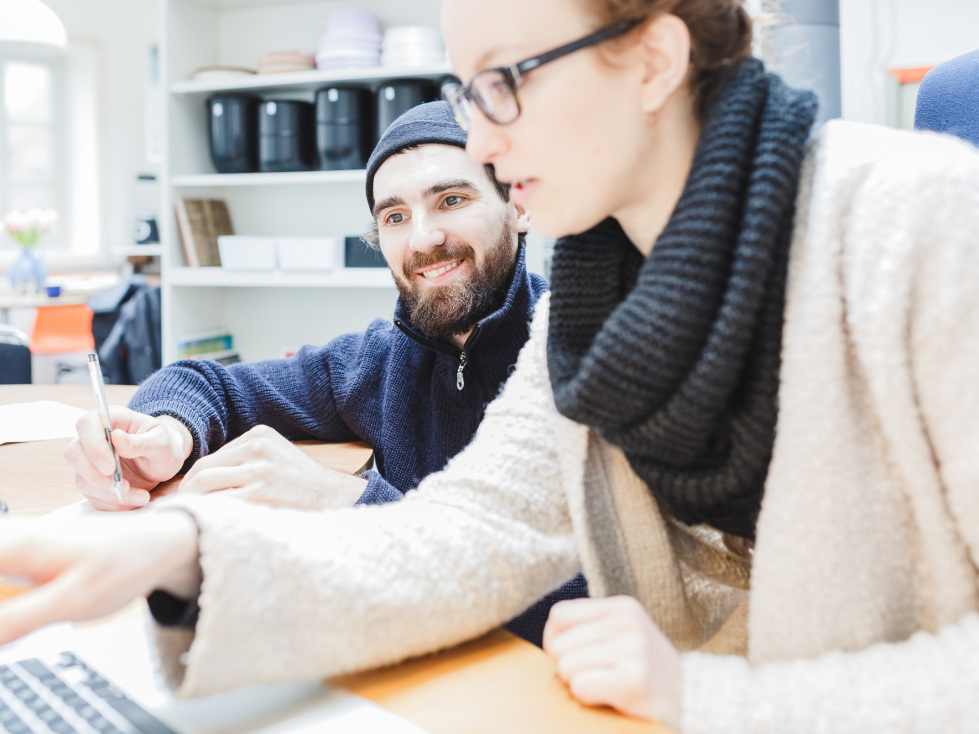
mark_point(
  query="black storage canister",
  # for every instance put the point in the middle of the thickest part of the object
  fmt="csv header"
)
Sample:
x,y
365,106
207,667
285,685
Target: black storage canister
x,y
344,127
285,136
398,97
232,132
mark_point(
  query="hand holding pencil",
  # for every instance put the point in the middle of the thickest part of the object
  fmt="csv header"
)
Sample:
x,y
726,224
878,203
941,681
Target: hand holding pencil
x,y
144,450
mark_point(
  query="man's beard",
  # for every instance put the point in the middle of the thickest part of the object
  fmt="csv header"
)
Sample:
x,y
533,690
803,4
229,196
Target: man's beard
x,y
455,308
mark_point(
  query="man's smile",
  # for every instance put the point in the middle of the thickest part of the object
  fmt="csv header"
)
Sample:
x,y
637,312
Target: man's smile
x,y
439,269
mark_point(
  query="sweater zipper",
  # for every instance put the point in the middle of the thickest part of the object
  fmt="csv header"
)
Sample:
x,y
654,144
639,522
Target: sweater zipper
x,y
460,382
444,348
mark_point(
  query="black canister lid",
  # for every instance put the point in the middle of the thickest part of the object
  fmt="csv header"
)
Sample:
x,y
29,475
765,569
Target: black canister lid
x,y
232,100
277,115
341,104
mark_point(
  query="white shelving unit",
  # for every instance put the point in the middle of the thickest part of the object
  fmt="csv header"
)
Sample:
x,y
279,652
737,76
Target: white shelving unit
x,y
139,251
209,180
268,312
223,278
306,79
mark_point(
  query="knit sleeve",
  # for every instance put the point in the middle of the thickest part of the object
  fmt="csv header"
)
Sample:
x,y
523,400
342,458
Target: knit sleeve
x,y
316,594
379,491
943,337
912,264
299,397
928,684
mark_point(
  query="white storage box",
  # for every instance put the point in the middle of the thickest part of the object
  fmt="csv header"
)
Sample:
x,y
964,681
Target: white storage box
x,y
309,253
247,252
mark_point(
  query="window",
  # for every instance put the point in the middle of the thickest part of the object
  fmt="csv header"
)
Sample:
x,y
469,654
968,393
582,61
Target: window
x,y
50,149
31,172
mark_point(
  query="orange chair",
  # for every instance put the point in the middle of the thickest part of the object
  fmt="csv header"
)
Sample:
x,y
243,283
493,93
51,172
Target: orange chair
x,y
60,329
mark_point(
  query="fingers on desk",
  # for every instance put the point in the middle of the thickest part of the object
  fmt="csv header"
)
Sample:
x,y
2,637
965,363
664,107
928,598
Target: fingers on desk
x,y
217,478
236,464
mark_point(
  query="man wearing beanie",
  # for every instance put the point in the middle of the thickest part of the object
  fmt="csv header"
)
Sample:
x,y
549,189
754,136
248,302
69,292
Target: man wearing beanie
x,y
414,388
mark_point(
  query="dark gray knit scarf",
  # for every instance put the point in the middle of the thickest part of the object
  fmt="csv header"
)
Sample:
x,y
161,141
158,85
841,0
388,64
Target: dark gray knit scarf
x,y
675,357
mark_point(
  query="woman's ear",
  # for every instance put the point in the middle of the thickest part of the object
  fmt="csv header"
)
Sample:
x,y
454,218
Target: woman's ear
x,y
665,48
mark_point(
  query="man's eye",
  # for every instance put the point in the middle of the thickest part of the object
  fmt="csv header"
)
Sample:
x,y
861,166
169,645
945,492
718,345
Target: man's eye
x,y
394,218
453,200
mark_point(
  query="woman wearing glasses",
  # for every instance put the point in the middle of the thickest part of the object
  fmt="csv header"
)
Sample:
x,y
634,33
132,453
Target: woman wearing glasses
x,y
765,336
749,414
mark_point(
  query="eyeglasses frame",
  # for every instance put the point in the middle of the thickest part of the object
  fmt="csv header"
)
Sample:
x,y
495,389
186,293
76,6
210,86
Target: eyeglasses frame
x,y
514,73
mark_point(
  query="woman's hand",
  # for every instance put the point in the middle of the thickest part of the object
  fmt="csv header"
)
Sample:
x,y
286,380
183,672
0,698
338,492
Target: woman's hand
x,y
151,450
610,653
267,467
87,567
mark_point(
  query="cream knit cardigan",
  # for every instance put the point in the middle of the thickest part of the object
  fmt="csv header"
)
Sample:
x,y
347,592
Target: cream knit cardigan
x,y
863,587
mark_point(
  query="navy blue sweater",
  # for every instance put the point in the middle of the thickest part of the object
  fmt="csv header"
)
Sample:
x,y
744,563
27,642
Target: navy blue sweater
x,y
388,386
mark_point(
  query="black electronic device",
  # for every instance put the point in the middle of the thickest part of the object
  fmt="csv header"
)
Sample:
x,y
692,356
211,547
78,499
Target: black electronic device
x,y
232,133
344,127
285,136
358,254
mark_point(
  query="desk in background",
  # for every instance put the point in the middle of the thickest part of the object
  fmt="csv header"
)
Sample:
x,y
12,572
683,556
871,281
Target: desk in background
x,y
10,299
498,684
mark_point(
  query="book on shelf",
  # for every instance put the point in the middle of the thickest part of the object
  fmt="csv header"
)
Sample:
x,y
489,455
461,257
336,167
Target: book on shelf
x,y
223,357
192,346
199,223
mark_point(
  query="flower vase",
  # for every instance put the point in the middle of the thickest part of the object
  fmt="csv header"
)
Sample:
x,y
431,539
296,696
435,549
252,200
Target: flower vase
x,y
27,274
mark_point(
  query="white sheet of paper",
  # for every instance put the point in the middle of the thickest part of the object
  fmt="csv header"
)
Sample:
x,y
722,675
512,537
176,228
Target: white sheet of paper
x,y
38,421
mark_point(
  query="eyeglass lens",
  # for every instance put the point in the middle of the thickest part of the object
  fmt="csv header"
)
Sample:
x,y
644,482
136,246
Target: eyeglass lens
x,y
455,94
491,90
495,96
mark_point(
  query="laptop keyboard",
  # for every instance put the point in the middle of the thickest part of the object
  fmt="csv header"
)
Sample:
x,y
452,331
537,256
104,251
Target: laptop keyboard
x,y
68,696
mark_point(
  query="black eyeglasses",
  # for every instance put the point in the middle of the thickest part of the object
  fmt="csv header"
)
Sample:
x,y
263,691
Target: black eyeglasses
x,y
495,90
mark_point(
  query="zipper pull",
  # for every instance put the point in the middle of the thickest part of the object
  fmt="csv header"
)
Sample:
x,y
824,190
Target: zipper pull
x,y
460,382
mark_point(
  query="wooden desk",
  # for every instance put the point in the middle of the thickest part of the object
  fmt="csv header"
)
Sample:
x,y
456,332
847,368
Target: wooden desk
x,y
496,684
51,481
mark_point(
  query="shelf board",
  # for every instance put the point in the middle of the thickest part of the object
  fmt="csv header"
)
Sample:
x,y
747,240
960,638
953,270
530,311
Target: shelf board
x,y
268,179
138,251
308,79
239,4
225,278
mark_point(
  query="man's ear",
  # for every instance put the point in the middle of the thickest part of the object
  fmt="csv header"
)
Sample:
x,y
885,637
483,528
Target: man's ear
x,y
521,220
665,48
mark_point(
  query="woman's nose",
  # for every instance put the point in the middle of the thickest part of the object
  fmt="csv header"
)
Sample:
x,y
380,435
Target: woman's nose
x,y
486,140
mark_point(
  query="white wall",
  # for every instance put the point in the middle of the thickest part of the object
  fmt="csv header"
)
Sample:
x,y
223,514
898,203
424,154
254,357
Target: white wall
x,y
124,30
877,35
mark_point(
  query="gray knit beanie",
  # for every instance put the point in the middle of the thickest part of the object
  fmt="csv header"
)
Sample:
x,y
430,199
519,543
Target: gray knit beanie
x,y
431,122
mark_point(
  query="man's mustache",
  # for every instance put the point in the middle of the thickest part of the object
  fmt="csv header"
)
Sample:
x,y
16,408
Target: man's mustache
x,y
446,253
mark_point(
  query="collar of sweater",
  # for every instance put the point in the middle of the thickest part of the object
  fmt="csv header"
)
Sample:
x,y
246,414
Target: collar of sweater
x,y
510,319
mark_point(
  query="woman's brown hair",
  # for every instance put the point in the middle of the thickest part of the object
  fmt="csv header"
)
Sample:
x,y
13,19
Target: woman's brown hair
x,y
720,35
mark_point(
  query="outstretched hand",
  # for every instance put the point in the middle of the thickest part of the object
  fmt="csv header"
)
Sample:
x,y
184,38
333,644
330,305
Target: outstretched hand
x,y
610,653
87,567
